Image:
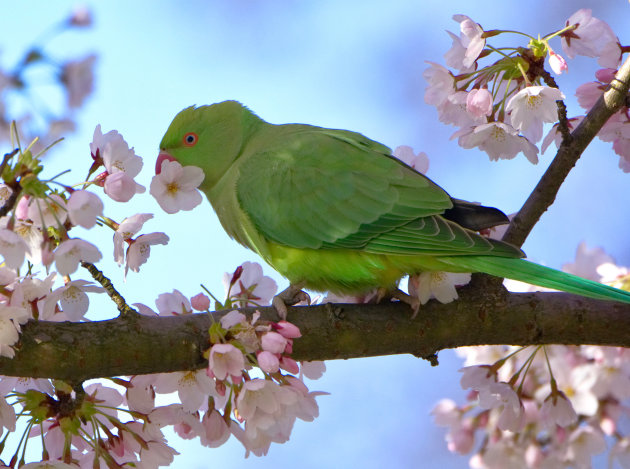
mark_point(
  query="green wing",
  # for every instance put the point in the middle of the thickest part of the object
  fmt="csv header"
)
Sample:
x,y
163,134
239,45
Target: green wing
x,y
333,189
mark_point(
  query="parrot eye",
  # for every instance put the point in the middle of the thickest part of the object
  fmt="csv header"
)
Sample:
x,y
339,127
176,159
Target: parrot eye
x,y
190,139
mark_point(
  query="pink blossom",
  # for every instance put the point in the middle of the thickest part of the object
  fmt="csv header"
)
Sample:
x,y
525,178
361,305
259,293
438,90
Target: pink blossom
x,y
287,329
140,248
419,162
72,251
175,187
140,394
83,208
589,38
193,388
117,158
217,431
477,377
78,76
225,360
200,302
273,342
610,55
313,370
121,187
531,107
479,102
125,231
73,299
454,110
557,63
289,364
584,442
173,304
438,285
502,396
557,410
81,16
268,362
11,317
586,262
12,248
498,140
48,212
252,287
232,318
588,94
466,48
555,136
441,84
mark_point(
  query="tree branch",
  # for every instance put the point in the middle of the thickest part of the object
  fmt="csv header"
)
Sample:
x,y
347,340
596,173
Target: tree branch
x,y
79,351
569,152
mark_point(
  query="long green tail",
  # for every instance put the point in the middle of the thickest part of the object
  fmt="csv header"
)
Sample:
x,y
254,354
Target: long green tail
x,y
536,274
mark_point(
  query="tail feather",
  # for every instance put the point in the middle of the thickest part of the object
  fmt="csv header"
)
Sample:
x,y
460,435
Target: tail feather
x,y
536,274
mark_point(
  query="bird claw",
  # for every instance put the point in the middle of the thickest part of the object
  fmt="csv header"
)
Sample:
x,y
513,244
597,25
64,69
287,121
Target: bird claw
x,y
292,295
412,301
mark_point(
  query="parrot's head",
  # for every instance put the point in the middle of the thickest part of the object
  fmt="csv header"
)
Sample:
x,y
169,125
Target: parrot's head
x,y
209,137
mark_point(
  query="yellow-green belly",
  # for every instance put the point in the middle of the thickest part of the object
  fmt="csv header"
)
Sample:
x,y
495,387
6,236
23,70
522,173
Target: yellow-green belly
x,y
345,271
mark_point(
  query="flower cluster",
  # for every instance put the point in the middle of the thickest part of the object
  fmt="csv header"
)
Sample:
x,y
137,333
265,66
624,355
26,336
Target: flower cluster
x,y
251,389
554,407
501,107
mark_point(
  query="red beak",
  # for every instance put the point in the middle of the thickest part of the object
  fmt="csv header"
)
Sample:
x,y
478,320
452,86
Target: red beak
x,y
162,157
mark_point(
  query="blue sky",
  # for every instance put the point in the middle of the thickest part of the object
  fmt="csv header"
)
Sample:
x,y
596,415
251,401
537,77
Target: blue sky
x,y
355,65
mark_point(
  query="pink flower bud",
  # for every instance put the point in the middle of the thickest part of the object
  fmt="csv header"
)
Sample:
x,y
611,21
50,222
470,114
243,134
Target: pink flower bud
x,y
288,330
268,362
200,302
289,364
479,102
557,63
273,342
605,75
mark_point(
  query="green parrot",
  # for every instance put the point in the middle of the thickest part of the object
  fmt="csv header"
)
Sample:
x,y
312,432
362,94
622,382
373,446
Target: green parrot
x,y
332,210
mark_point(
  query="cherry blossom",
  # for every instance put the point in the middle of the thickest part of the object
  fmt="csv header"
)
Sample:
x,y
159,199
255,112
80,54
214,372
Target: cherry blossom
x,y
48,212
466,48
419,162
313,370
115,154
173,304
83,208
140,248
71,252
498,140
225,360
441,84
557,410
73,299
590,36
454,110
438,285
531,107
216,429
175,187
586,262
78,76
12,248
555,136
125,231
251,287
11,317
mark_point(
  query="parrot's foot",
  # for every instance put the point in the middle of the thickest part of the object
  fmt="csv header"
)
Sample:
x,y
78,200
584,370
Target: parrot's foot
x,y
412,301
289,297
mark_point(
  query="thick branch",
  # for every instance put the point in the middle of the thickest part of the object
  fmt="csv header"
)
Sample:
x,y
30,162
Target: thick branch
x,y
79,351
569,152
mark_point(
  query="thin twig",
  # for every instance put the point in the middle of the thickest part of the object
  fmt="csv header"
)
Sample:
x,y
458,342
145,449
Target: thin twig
x,y
125,310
